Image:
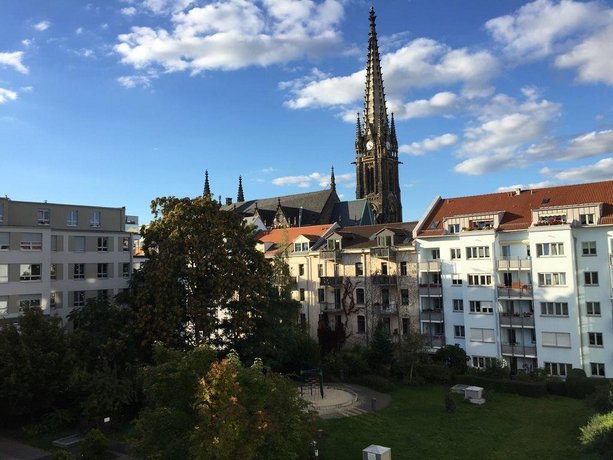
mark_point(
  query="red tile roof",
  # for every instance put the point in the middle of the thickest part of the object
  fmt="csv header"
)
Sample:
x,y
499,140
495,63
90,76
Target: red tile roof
x,y
517,207
286,236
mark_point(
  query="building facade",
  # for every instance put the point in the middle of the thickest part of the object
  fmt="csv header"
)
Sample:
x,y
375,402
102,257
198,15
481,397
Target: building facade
x,y
57,256
524,276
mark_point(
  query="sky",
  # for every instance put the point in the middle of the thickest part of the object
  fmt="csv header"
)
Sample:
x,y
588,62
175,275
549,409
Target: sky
x,y
116,102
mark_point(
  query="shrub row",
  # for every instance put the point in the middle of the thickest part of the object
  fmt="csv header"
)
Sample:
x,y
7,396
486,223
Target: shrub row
x,y
532,389
435,373
574,387
374,382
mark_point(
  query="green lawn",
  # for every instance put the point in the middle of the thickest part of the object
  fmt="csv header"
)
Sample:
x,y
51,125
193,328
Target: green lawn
x,y
416,426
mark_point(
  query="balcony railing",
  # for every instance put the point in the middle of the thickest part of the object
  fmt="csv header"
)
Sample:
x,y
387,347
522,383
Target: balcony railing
x,y
430,266
523,290
330,254
432,314
517,319
388,252
430,289
327,307
435,341
388,308
517,349
515,264
383,280
330,280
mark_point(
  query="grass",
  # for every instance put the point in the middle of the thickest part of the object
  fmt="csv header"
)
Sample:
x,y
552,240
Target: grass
x,y
416,425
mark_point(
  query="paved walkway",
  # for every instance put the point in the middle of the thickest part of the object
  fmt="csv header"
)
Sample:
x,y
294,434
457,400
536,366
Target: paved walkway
x,y
14,450
346,400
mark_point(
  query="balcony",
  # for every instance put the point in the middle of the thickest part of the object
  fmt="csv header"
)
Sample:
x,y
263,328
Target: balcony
x,y
435,341
515,291
517,349
517,319
330,254
330,280
383,280
387,252
430,289
515,264
329,307
432,314
387,308
430,266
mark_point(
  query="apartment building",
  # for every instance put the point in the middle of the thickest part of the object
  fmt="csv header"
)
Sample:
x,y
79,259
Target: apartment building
x,y
524,276
56,256
355,276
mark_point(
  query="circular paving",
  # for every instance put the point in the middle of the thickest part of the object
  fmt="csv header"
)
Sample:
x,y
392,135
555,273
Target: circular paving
x,y
334,398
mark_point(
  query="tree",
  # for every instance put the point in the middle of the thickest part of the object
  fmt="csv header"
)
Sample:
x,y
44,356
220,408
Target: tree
x,y
36,366
381,350
409,352
204,279
597,435
452,356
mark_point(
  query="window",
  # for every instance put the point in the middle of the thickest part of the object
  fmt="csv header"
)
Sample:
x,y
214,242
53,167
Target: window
x,y
478,334
29,302
384,241
478,252
103,271
481,224
337,298
320,270
4,304
588,248
94,219
359,269
558,369
103,244
361,324
592,308
552,279
591,278
359,295
53,300
125,243
4,241
453,228
78,271
301,247
29,272
459,332
4,273
404,296
554,308
301,270
552,219
321,295
334,244
405,326
456,280
302,297
125,270
54,243
506,251
303,321
595,339
384,268
79,243
72,220
78,298
31,242
458,305
435,253
456,253
479,280
404,271
482,362
479,306
53,272
42,217
556,339
586,219
549,249
597,369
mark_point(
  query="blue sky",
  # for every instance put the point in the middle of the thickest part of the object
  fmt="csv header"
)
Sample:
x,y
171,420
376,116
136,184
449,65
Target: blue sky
x,y
117,102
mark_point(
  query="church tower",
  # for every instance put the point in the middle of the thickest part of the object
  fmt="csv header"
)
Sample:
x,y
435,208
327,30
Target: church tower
x,y
376,146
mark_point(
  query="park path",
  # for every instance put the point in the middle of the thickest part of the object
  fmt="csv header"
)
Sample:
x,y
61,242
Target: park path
x,y
15,450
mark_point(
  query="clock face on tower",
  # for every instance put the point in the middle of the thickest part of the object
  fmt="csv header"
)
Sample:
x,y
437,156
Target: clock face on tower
x,y
369,145
388,145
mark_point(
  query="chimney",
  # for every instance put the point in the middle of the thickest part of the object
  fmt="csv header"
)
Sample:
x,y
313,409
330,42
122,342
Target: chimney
x,y
228,201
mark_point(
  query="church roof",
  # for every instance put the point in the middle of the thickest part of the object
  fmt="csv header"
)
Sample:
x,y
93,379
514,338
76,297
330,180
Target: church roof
x,y
353,212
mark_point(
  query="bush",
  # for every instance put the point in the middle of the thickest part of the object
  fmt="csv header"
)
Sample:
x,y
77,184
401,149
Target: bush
x,y
62,455
597,435
601,400
579,387
352,362
374,382
531,389
95,445
556,387
452,356
439,373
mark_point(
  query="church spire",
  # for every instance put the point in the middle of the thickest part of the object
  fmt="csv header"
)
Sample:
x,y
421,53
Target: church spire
x,y
393,139
375,111
332,180
241,196
207,188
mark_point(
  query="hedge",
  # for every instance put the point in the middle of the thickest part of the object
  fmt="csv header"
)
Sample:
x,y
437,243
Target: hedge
x,y
435,373
532,389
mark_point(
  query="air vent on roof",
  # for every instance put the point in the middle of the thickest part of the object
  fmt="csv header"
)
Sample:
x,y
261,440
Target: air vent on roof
x,y
434,224
545,201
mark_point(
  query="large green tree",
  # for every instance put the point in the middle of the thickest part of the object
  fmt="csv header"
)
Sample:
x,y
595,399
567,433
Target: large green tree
x,y
204,281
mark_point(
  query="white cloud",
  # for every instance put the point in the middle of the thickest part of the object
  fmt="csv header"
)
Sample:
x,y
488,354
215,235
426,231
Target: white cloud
x,y
510,188
439,104
268,169
13,60
133,81
26,42
85,52
323,180
592,58
42,26
590,144
601,170
429,144
128,11
165,6
79,31
7,95
233,34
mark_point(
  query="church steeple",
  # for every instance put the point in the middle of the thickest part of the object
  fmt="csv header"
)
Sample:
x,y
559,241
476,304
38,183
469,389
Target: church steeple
x,y
376,146
241,196
332,180
207,187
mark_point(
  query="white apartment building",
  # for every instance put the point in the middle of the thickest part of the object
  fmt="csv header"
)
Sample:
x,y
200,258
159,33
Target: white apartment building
x,y
524,276
357,276
56,256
